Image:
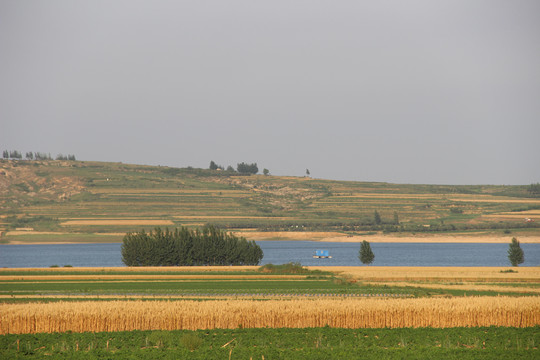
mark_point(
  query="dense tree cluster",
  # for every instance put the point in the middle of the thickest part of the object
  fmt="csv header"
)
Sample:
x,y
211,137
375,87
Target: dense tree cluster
x,y
241,169
65,157
244,168
534,190
16,155
214,166
42,156
186,247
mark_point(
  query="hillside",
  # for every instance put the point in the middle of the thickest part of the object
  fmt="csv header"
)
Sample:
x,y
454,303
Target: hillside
x,y
81,201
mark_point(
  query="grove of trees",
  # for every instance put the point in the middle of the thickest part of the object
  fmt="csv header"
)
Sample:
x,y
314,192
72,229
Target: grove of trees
x,y
16,155
187,247
244,168
534,190
214,166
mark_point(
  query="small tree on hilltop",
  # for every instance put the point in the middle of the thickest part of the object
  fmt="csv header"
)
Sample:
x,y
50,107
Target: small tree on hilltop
x,y
366,256
377,218
515,253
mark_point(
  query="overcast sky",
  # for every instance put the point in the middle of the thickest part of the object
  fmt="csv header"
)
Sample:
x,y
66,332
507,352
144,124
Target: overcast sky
x,y
436,92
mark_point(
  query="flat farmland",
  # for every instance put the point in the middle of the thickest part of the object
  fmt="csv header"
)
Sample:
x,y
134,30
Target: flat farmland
x,y
268,312
117,299
176,283
472,279
296,313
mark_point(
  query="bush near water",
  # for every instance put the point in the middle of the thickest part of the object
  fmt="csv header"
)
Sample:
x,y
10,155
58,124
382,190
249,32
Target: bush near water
x,y
187,247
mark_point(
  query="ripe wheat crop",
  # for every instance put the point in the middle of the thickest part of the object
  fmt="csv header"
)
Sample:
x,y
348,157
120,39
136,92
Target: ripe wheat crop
x,y
346,313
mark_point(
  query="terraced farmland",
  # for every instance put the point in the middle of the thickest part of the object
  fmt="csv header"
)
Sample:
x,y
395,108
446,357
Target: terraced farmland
x,y
75,201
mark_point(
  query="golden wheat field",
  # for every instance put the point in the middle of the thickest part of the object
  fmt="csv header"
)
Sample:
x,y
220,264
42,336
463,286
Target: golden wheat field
x,y
161,277
138,269
346,313
117,222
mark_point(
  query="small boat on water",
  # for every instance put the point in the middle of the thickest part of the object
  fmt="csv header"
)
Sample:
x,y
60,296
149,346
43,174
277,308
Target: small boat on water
x,y
321,254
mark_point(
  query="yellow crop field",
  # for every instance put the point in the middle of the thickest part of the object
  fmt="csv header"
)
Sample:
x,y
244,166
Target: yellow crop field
x,y
461,274
459,286
346,313
117,222
12,278
140,269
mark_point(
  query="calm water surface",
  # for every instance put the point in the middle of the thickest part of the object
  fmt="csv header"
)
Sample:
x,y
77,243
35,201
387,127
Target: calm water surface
x,y
280,252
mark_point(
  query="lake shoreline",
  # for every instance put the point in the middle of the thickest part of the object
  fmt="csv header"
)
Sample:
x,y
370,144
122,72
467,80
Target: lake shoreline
x,y
54,238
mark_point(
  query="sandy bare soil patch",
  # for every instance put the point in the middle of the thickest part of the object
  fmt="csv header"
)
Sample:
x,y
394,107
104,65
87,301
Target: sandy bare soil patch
x,y
128,191
390,196
496,200
231,217
18,232
383,238
117,222
289,235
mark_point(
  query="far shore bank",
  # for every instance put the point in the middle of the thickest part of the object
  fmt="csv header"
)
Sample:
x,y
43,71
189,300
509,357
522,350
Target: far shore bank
x,y
37,238
485,238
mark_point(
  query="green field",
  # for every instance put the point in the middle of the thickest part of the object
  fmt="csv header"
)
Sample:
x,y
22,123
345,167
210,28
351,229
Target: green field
x,y
35,288
310,343
15,285
285,281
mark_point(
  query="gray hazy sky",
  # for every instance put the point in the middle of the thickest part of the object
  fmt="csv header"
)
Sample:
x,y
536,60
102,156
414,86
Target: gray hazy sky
x,y
442,92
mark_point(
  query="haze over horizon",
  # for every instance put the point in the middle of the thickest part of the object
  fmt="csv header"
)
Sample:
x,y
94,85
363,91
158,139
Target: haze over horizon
x,y
426,92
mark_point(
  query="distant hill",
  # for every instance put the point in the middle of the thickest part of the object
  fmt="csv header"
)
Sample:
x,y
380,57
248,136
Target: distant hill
x,y
99,201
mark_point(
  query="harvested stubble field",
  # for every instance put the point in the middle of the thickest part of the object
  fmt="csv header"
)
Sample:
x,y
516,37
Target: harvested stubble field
x,y
433,273
345,313
501,288
526,280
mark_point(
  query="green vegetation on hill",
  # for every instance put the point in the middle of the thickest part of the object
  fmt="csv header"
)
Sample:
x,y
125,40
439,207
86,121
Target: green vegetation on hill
x,y
81,197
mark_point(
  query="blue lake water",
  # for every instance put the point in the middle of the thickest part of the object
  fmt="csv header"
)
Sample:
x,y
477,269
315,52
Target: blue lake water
x,y
280,252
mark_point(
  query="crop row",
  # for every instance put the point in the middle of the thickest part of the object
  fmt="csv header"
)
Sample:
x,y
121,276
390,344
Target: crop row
x,y
342,313
267,343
